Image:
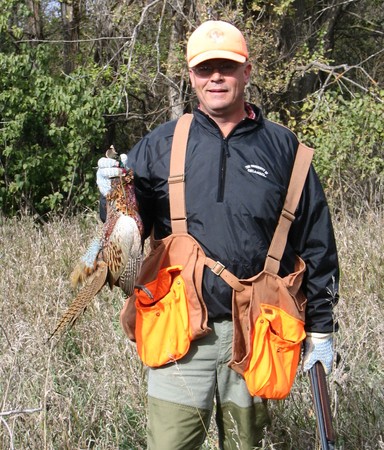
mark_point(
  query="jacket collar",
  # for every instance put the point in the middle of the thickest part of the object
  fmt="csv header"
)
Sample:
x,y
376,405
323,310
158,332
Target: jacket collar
x,y
253,119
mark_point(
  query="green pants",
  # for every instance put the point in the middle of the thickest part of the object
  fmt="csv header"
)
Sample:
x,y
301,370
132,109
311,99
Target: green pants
x,y
181,397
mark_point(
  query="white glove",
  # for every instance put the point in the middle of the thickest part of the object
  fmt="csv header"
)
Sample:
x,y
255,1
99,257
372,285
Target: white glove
x,y
107,168
318,347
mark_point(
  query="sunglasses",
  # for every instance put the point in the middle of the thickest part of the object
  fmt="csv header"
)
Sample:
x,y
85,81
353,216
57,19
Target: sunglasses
x,y
225,68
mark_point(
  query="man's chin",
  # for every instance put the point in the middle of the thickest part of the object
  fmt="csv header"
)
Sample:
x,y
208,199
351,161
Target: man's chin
x,y
218,110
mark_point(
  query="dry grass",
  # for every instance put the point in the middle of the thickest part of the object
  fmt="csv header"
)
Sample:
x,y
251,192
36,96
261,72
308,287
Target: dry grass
x,y
89,390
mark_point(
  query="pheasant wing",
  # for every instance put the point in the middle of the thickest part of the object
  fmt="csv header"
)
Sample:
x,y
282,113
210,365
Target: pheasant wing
x,y
128,277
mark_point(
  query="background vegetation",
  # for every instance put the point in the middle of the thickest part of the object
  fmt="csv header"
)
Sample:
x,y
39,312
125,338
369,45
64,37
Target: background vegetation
x,y
88,391
76,76
79,75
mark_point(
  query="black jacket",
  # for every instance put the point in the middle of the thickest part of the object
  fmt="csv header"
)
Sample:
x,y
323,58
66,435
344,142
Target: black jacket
x,y
235,190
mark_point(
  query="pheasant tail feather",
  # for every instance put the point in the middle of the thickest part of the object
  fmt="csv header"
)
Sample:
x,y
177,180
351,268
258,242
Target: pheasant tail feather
x,y
82,300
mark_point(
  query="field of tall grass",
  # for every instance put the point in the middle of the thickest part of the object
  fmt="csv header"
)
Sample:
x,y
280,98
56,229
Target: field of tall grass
x,y
88,390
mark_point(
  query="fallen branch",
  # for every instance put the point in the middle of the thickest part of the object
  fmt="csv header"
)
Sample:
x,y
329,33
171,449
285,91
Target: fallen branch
x,y
19,411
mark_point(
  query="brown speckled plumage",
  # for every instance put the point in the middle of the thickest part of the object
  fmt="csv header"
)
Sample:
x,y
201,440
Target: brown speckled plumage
x,y
115,258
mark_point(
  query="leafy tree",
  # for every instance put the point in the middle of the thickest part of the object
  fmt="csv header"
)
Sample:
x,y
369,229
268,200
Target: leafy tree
x,y
78,76
348,136
49,126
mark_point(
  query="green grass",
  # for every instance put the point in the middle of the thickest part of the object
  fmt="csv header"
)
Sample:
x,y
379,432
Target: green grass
x,y
89,391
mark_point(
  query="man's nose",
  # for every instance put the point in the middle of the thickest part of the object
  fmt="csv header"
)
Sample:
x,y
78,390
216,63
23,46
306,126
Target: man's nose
x,y
216,74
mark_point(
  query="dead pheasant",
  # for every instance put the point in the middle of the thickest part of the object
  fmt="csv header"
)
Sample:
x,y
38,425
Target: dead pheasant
x,y
116,258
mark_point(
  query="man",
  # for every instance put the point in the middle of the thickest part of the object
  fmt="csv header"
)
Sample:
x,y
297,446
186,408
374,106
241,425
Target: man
x,y
238,167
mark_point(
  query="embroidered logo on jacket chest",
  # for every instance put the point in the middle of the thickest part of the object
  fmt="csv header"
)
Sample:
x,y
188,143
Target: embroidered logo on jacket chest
x,y
258,170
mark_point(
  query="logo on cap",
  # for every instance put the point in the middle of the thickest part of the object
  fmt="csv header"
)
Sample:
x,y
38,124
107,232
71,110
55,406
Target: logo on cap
x,y
216,36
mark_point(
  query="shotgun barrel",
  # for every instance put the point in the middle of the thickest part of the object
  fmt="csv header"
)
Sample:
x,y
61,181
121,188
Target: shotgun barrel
x,y
322,406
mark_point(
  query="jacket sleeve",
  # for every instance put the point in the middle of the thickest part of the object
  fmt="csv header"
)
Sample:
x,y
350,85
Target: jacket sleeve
x,y
139,161
103,208
313,239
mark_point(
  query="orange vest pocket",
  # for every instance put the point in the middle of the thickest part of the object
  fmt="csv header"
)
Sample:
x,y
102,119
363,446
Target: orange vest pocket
x,y
162,322
275,353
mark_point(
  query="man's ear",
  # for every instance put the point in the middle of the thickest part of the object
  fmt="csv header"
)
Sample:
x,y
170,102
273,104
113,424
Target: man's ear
x,y
247,72
192,78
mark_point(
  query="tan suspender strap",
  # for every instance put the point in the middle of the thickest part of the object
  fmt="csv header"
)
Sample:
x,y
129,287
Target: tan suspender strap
x,y
178,212
299,173
176,180
219,269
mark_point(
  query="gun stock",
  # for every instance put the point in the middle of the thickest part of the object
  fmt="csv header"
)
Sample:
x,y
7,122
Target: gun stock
x,y
322,406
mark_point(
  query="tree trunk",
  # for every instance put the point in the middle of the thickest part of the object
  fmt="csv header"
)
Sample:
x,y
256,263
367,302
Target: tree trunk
x,y
175,89
34,25
70,14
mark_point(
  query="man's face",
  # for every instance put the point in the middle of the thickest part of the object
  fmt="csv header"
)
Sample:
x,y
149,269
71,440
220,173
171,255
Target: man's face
x,y
219,85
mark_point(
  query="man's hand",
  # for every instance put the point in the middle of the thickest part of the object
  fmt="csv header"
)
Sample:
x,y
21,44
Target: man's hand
x,y
318,347
107,168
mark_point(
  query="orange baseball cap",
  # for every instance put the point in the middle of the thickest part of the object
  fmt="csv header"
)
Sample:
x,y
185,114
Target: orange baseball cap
x,y
216,39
